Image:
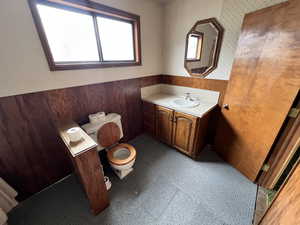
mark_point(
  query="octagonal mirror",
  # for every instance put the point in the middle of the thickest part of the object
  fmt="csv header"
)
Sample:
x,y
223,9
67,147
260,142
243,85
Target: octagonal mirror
x,y
203,44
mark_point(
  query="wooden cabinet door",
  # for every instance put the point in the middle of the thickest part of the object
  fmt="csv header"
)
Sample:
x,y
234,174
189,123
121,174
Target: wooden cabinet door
x,y
184,129
164,118
264,82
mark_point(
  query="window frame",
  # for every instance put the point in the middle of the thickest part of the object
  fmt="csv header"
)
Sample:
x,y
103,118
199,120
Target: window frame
x,y
94,9
199,49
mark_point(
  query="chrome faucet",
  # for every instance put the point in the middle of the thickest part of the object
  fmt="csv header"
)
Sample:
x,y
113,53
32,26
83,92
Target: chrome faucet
x,y
188,97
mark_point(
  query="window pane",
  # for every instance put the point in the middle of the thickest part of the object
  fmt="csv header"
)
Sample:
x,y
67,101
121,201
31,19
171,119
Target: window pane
x,y
71,35
116,39
192,47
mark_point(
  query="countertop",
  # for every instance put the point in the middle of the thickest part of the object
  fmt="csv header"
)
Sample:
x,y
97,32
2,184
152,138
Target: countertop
x,y
165,100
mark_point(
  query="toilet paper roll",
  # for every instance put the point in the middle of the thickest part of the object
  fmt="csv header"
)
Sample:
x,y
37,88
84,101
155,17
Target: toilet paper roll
x,y
74,134
107,183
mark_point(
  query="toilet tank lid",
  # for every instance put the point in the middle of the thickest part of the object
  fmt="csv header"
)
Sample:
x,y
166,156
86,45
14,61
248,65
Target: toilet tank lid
x,y
91,128
112,117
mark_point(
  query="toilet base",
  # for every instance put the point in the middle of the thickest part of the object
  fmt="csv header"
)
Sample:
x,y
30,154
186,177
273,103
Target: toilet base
x,y
123,173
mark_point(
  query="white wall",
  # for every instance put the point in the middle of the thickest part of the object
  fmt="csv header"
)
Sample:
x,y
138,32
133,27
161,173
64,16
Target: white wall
x,y
24,69
180,16
23,66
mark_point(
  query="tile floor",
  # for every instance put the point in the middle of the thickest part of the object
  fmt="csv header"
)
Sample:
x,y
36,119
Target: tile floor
x,y
165,188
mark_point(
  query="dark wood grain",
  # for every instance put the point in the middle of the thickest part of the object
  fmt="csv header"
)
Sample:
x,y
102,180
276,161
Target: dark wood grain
x,y
31,144
148,81
149,117
134,106
264,82
32,156
89,170
87,165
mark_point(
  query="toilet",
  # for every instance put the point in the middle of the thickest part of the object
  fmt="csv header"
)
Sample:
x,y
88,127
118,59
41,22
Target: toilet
x,y
107,132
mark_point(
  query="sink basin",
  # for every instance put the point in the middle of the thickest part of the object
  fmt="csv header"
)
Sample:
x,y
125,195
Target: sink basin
x,y
185,103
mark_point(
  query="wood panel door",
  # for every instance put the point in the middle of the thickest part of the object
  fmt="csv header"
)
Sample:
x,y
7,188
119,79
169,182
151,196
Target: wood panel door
x,y
283,151
184,130
164,118
264,82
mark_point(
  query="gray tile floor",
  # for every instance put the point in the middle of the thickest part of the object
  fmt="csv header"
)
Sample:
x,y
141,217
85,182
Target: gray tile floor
x,y
165,188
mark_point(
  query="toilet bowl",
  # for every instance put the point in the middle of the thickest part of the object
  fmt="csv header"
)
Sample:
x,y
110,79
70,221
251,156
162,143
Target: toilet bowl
x,y
122,158
107,134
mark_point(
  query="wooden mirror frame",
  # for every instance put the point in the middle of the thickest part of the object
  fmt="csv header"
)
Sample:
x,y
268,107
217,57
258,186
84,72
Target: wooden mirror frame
x,y
214,65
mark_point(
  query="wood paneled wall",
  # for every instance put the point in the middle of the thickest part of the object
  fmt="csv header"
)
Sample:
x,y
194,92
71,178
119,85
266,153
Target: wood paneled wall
x,y
32,156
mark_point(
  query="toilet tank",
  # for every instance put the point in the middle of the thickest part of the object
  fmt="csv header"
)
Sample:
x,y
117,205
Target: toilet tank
x,y
92,128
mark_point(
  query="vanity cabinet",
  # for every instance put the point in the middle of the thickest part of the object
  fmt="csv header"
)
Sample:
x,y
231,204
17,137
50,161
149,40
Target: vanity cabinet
x,y
185,132
164,124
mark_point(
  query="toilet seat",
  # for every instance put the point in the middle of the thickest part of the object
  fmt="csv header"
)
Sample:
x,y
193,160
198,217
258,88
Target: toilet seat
x,y
111,154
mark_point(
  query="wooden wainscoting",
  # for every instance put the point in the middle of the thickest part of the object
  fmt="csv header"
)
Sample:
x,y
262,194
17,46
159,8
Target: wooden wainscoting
x,y
32,156
147,81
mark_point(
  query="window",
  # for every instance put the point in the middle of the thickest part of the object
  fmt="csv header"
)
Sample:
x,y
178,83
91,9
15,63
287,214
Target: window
x,y
116,35
194,48
71,36
78,34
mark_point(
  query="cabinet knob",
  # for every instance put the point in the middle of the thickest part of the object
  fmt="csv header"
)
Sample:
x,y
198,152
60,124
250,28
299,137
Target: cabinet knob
x,y
226,106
